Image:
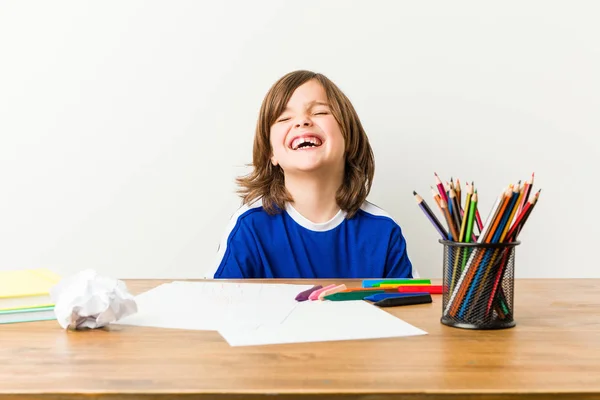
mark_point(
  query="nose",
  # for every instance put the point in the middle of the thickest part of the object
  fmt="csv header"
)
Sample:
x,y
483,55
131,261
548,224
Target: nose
x,y
303,122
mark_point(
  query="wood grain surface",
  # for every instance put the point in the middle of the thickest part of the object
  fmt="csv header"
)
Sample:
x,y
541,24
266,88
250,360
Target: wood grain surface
x,y
554,351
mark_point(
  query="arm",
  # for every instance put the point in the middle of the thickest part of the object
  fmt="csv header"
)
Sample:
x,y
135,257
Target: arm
x,y
237,256
398,264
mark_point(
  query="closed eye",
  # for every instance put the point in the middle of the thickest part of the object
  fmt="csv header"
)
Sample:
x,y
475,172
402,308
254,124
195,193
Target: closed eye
x,y
322,113
283,119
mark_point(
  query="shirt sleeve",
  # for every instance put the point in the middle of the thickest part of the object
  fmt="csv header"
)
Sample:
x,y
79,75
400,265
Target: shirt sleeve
x,y
398,264
239,257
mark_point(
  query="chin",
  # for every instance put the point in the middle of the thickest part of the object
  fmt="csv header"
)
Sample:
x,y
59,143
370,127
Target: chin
x,y
305,168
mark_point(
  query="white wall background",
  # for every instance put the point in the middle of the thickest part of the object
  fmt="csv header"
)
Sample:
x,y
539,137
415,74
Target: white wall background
x,y
124,123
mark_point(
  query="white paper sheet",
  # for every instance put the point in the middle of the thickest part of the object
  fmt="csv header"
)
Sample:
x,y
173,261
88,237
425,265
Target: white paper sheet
x,y
214,305
318,321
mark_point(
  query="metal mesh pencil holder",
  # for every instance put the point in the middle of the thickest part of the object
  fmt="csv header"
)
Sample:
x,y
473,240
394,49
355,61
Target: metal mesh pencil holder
x,y
478,285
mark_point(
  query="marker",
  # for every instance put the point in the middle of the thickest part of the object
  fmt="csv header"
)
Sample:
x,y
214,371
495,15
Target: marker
x,y
303,296
353,295
397,285
370,290
431,289
315,295
333,290
404,301
375,282
382,296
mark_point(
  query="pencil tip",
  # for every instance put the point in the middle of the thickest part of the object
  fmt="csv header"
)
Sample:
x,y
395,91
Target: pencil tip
x,y
415,193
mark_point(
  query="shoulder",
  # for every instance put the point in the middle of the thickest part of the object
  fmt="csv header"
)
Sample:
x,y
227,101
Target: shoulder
x,y
236,229
378,222
376,215
251,216
247,212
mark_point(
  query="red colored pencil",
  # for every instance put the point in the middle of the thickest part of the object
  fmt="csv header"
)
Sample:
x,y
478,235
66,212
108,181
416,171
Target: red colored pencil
x,y
522,217
526,193
440,187
477,216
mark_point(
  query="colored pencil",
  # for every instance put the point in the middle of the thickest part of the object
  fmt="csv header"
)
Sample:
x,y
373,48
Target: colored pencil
x,y
450,204
511,236
490,261
436,223
458,191
476,285
471,217
520,191
440,187
449,220
467,273
475,277
436,197
522,217
453,211
477,216
463,226
527,191
526,216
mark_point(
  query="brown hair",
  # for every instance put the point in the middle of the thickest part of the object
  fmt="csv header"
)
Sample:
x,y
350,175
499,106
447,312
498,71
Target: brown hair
x,y
266,181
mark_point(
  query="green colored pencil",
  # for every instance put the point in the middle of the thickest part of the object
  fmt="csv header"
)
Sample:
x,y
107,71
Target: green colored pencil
x,y
471,217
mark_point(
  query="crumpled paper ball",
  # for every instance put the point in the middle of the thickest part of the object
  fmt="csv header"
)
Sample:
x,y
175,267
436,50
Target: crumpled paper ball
x,y
88,300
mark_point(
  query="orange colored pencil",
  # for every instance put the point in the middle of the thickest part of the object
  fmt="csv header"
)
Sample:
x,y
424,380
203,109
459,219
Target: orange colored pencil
x,y
449,220
505,202
436,197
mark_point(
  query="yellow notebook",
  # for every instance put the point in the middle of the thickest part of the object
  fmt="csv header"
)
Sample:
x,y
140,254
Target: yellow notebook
x,y
26,288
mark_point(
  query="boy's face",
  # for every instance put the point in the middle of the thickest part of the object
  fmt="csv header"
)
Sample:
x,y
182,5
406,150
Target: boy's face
x,y
306,137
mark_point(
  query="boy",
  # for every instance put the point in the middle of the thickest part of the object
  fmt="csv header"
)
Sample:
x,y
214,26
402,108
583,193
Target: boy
x,y
304,212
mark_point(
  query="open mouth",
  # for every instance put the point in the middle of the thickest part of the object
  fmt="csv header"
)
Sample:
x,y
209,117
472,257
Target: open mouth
x,y
305,142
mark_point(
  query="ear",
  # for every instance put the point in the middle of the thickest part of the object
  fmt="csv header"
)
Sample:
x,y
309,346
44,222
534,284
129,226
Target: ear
x,y
274,161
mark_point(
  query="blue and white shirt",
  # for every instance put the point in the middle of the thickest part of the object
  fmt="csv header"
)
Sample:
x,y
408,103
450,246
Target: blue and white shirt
x,y
287,245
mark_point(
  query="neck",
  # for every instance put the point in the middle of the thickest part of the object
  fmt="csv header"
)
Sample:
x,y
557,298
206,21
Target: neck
x,y
314,196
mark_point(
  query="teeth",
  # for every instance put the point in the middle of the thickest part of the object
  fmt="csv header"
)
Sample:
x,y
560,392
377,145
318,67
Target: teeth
x,y
302,140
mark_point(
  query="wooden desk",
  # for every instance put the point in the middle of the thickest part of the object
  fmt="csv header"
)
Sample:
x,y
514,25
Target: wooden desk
x,y
554,349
